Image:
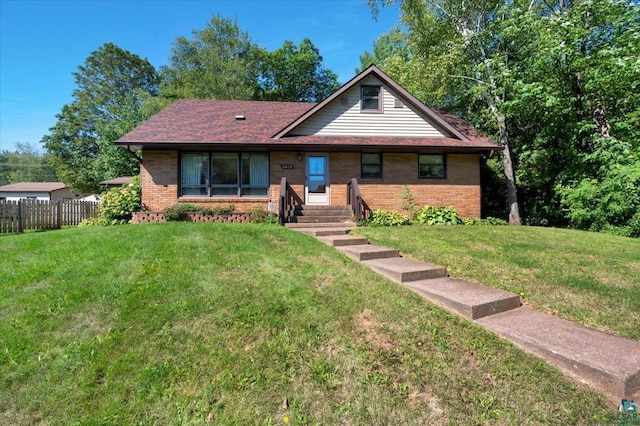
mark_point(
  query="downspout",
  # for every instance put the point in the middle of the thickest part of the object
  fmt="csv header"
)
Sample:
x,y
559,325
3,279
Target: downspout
x,y
133,154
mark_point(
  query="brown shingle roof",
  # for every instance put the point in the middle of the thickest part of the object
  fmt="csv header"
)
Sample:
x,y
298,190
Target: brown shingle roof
x,y
32,187
464,127
191,122
211,121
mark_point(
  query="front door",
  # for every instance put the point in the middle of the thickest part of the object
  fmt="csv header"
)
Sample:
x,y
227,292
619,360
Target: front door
x,y
316,188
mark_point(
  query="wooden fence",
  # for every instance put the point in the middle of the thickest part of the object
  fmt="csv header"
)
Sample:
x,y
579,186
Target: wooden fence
x,y
16,216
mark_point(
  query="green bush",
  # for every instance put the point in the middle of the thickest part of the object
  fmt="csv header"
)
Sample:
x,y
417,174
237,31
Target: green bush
x,y
217,210
258,215
634,226
409,201
608,202
438,216
117,205
486,221
387,218
93,221
178,212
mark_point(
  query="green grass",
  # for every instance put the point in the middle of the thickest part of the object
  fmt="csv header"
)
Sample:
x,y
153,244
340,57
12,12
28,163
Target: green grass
x,y
588,278
187,323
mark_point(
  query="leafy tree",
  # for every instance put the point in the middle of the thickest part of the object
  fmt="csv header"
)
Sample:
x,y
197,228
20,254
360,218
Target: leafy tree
x,y
220,62
295,73
575,113
25,164
557,80
112,86
389,46
458,47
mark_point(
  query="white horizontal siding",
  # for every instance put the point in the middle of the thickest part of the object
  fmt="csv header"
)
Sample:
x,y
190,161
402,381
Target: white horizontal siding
x,y
16,196
347,120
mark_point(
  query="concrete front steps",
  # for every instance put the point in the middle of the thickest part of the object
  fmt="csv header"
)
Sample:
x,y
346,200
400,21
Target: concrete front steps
x,y
309,214
606,362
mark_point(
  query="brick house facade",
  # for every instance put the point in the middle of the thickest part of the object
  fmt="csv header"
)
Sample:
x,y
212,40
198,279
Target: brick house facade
x,y
215,153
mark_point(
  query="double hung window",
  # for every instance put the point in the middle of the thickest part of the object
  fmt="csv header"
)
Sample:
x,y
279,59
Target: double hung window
x,y
371,166
371,98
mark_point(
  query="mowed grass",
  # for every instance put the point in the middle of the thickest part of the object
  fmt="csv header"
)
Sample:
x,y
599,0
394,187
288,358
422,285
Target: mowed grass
x,y
585,277
185,323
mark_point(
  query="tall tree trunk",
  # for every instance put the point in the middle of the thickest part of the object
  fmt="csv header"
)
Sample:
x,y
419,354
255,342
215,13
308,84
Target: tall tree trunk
x,y
512,192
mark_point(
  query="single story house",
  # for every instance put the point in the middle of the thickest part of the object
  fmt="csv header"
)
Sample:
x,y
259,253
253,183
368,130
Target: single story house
x,y
37,191
371,134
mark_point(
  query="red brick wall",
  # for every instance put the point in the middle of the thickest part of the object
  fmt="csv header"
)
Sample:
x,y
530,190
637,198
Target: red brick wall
x,y
461,188
159,179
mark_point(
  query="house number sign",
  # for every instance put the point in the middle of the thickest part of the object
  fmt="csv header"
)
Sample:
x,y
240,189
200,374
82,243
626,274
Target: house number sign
x,y
287,166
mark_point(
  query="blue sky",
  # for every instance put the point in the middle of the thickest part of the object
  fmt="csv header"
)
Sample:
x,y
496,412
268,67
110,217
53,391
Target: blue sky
x,y
43,42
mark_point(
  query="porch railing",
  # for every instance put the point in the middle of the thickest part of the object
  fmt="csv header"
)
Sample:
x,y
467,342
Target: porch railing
x,y
286,202
359,208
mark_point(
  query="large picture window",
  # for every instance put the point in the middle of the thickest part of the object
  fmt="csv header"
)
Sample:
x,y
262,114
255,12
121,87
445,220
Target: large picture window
x,y
371,166
228,174
431,166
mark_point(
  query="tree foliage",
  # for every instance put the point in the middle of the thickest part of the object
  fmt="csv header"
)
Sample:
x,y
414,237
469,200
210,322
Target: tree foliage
x,y
25,164
295,73
559,81
576,113
459,50
112,86
219,62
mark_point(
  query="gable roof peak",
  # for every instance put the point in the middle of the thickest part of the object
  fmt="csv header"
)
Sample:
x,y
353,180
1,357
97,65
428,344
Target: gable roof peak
x,y
388,81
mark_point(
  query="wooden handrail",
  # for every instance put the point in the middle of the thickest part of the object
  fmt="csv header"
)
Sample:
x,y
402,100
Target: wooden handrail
x,y
285,202
359,208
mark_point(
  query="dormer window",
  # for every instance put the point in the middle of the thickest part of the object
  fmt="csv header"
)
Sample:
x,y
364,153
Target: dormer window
x,y
371,98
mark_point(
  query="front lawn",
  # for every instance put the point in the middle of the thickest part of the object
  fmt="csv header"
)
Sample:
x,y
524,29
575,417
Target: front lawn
x,y
192,323
585,277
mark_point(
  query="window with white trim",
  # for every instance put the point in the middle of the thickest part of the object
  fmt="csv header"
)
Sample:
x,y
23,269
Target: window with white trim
x,y
230,174
432,166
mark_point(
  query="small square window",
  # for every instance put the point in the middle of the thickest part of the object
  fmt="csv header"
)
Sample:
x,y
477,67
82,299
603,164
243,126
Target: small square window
x,y
371,166
370,99
431,166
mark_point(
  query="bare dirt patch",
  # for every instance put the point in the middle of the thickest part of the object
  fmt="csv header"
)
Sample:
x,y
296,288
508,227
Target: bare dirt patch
x,y
370,327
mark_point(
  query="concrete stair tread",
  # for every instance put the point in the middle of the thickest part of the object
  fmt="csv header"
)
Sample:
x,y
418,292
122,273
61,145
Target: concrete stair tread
x,y
342,240
404,270
607,362
321,219
347,224
368,252
470,300
324,231
346,213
